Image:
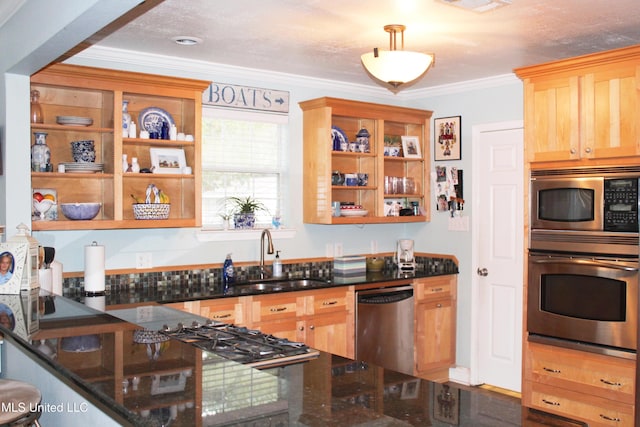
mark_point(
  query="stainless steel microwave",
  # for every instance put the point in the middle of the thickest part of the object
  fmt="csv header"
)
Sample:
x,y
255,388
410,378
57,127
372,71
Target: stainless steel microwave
x,y
585,199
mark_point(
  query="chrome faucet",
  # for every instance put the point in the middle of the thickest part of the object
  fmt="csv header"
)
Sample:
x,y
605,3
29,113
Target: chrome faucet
x,y
269,250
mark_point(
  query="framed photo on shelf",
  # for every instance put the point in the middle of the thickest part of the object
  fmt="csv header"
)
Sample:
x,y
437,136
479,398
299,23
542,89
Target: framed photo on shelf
x,y
411,147
447,138
14,267
167,160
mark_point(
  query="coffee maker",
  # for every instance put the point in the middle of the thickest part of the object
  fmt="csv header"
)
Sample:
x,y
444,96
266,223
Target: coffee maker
x,y
404,256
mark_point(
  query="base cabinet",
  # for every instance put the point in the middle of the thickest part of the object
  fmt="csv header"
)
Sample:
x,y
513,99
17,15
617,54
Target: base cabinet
x,y
327,332
435,326
596,389
322,319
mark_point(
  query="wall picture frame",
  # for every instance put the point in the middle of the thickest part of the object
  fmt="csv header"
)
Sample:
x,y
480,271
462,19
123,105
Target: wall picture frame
x,y
411,147
167,160
447,138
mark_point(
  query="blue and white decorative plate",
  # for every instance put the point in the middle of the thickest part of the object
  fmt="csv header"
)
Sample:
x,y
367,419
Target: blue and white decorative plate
x,y
337,137
152,118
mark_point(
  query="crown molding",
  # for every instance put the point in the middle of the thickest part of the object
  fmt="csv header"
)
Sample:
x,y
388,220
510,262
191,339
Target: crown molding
x,y
181,67
98,56
465,86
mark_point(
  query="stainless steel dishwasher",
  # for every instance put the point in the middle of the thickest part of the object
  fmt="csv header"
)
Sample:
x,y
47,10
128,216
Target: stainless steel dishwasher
x,y
384,327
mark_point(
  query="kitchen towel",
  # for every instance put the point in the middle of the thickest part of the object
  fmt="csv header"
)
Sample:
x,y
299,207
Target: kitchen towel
x,y
56,281
94,269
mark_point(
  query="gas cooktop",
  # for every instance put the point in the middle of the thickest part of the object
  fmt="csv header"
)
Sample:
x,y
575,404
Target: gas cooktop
x,y
240,344
247,346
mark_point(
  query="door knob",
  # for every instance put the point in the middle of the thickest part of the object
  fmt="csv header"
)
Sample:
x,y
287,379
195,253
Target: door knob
x,y
482,272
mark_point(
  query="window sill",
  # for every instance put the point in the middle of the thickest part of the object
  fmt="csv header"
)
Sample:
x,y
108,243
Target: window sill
x,y
217,235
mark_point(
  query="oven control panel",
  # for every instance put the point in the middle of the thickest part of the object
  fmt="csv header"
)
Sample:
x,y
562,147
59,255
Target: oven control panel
x,y
621,204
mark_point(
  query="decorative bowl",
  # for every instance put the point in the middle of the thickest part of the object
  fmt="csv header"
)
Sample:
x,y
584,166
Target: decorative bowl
x,y
41,207
80,211
151,210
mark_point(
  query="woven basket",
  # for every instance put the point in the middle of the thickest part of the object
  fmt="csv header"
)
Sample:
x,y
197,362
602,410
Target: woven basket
x,y
151,210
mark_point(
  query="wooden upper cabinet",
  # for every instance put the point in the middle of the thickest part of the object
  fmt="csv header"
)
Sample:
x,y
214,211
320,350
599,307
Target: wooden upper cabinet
x,y
386,125
70,90
584,109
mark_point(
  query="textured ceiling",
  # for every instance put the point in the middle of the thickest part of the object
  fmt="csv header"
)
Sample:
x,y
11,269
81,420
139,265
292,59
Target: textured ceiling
x,y
325,38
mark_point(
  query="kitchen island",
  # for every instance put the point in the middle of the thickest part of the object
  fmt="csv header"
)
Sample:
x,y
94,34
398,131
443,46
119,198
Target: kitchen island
x,y
144,384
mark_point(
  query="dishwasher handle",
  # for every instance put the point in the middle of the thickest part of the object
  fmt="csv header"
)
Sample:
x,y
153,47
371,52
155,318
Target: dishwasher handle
x,y
387,297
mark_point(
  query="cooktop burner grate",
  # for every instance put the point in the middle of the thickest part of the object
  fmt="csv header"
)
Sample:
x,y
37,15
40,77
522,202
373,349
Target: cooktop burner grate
x,y
241,344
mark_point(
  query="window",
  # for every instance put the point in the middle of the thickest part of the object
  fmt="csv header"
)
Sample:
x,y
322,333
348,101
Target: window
x,y
242,155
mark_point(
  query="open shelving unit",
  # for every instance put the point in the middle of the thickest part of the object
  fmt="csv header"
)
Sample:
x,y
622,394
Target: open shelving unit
x,y
69,90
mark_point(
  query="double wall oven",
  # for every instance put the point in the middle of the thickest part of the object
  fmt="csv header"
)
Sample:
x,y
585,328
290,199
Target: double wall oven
x,y
583,259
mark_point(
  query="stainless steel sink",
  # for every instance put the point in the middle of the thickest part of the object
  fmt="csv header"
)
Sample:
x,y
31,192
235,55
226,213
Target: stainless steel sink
x,y
276,285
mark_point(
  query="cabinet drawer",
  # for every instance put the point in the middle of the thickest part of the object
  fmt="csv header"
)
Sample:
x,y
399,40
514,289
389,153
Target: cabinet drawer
x,y
265,308
433,288
594,410
604,376
227,310
327,301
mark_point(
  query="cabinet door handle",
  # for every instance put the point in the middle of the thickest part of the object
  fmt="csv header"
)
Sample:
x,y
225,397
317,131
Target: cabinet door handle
x,y
312,327
572,151
277,309
329,302
587,150
553,371
615,383
438,305
222,316
436,289
548,402
604,417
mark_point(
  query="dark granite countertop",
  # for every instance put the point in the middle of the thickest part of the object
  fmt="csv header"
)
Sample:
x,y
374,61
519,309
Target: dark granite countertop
x,y
204,389
195,289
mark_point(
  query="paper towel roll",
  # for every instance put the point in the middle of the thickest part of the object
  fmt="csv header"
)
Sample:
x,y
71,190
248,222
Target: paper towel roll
x,y
45,279
94,269
56,277
97,303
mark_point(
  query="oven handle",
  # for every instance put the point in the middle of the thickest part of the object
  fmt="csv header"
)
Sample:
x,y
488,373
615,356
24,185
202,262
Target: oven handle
x,y
587,262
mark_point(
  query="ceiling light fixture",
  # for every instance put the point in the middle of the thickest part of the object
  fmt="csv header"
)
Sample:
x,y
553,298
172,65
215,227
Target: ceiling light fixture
x,y
396,67
186,40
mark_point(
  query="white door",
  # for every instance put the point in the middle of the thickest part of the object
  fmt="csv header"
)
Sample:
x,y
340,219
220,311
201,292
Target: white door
x,y
497,239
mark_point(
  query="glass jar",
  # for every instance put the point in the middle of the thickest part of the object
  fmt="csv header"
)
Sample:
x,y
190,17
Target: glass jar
x,y
41,154
36,108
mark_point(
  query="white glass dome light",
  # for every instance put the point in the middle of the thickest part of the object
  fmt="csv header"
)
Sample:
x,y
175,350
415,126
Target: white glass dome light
x,y
396,67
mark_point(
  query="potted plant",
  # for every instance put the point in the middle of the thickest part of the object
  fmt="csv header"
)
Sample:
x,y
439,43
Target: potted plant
x,y
244,213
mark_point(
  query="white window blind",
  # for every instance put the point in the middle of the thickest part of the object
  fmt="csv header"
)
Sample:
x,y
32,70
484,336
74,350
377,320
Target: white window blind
x,y
242,155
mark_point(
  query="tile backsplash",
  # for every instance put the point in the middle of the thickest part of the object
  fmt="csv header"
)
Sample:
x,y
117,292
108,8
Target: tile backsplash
x,y
211,278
